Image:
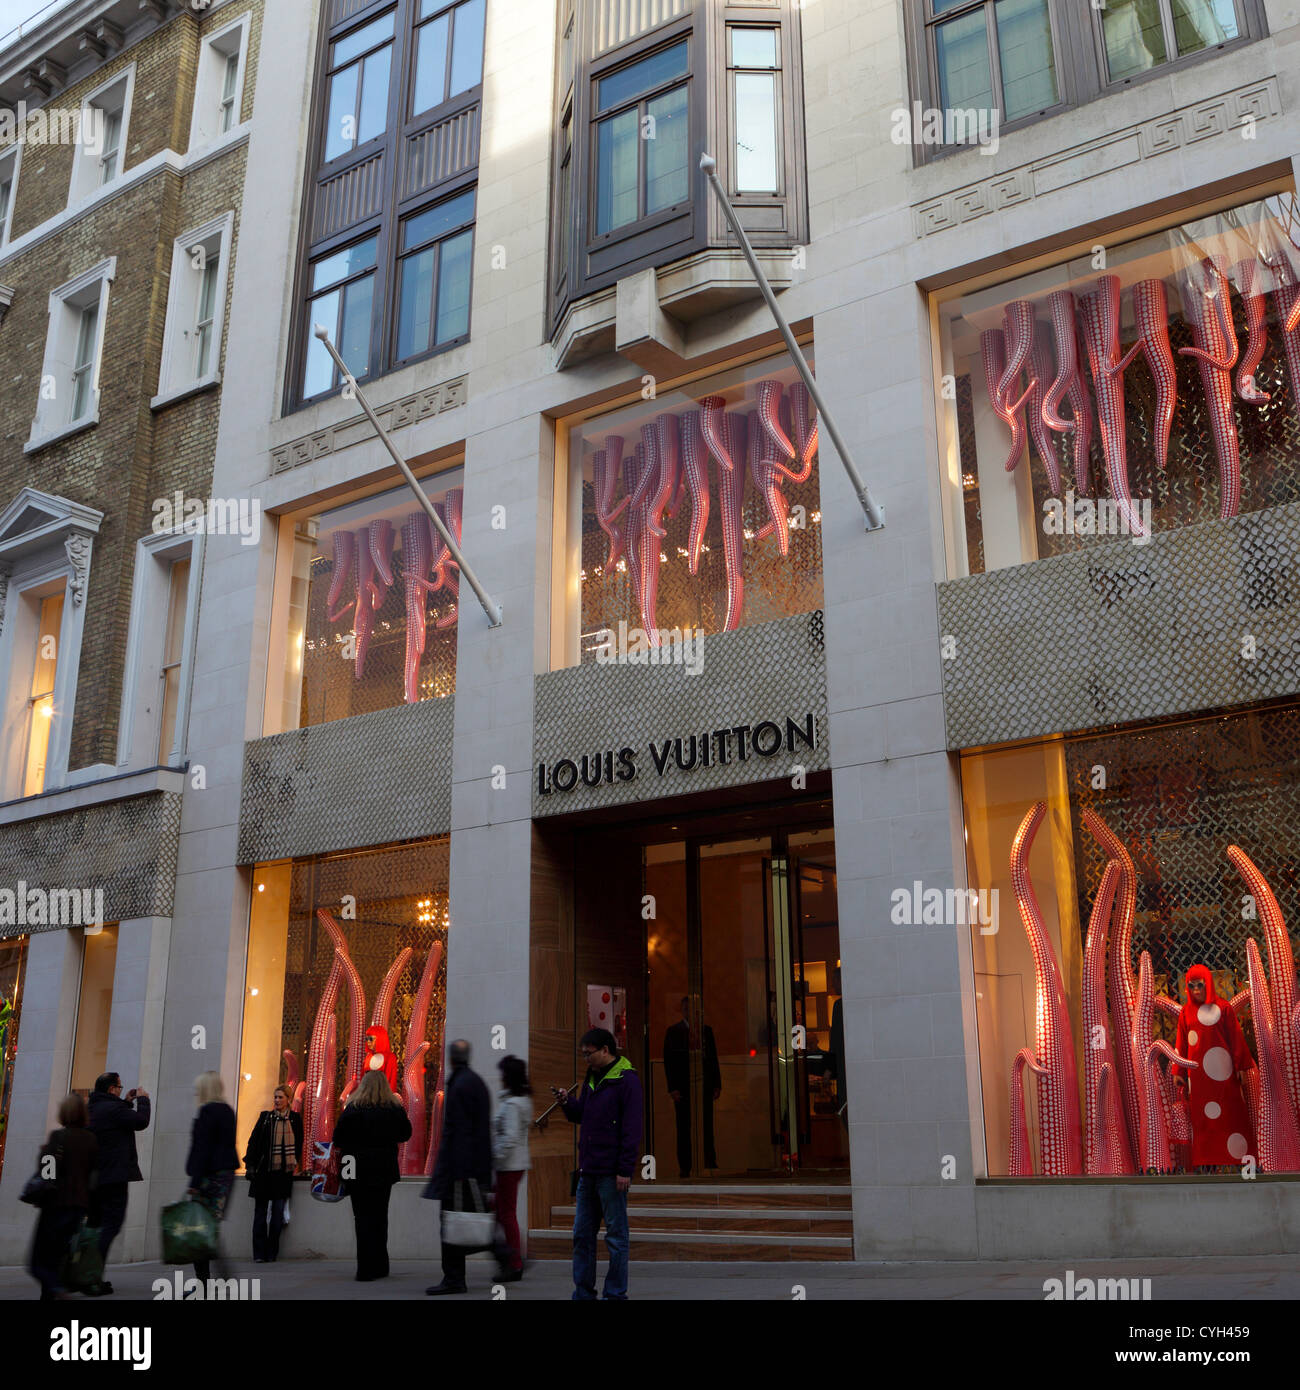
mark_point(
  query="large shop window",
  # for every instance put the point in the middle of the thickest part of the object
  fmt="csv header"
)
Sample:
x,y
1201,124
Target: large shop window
x,y
347,963
94,1009
633,113
368,599
13,958
385,261
984,63
1080,404
1166,806
699,509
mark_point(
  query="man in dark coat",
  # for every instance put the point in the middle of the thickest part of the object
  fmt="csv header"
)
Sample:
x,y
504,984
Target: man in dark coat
x,y
680,1041
464,1153
607,1110
114,1120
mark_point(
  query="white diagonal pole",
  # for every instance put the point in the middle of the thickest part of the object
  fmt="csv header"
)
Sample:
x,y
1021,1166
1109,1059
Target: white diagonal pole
x,y
874,512
490,607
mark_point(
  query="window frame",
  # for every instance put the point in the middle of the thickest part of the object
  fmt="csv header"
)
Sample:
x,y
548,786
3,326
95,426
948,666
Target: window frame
x,y
399,256
51,421
1079,52
448,7
12,156
85,183
343,242
139,726
209,84
174,381
733,70
359,147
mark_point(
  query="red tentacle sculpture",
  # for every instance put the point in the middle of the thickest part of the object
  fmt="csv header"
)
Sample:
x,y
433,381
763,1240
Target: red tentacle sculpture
x,y
695,466
1155,1102
804,424
323,1113
1099,315
1253,302
1250,1089
1281,969
769,401
290,1067
321,1061
384,999
767,481
417,557
731,503
635,538
298,1092
1058,1089
1069,383
1103,1152
713,423
1040,370
435,1132
1151,312
363,621
1022,1155
1276,1134
1123,989
380,543
1286,300
345,554
1210,317
356,1000
607,468
411,1152
450,570
1018,334
669,446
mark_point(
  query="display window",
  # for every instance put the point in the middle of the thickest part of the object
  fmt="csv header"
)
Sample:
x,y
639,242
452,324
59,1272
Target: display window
x,y
1135,388
1133,970
698,509
347,972
368,598
13,959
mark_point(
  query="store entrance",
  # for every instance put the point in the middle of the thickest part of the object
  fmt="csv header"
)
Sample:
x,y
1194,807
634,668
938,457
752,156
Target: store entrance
x,y
743,1031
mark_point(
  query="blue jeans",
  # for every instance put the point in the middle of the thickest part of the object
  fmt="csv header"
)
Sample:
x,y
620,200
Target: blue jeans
x,y
597,1198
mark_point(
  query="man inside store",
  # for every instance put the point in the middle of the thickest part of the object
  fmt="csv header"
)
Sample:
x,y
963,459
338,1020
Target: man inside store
x,y
680,1041
1209,1035
114,1121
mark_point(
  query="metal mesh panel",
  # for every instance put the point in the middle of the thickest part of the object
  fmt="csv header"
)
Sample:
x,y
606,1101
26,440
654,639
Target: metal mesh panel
x,y
372,779
401,900
1178,797
767,672
126,848
1197,619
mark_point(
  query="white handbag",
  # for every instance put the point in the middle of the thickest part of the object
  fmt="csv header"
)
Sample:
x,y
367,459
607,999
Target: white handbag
x,y
473,1228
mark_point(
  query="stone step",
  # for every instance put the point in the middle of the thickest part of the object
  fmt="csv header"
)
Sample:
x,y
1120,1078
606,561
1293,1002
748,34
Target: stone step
x,y
759,1221
800,1196
697,1245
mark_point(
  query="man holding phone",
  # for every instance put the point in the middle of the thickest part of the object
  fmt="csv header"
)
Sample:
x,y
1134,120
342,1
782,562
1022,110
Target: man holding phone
x,y
607,1110
114,1120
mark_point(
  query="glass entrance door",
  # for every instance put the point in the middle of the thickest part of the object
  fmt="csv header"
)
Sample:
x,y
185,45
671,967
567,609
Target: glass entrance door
x,y
742,1003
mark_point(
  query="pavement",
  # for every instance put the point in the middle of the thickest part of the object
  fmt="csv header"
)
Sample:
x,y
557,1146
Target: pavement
x,y
1218,1278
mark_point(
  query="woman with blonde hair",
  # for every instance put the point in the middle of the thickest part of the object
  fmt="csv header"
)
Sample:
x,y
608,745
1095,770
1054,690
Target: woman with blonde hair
x,y
274,1155
367,1135
213,1158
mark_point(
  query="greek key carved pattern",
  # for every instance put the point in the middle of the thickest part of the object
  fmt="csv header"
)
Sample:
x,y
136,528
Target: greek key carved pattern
x,y
1216,116
430,400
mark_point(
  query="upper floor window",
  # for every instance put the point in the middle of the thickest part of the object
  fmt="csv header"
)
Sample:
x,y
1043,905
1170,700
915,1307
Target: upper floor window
x,y
40,704
8,183
981,62
219,85
636,81
360,67
69,394
195,309
448,52
434,276
98,158
342,299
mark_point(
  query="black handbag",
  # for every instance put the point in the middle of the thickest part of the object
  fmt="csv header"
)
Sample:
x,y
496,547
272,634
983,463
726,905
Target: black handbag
x,y
38,1190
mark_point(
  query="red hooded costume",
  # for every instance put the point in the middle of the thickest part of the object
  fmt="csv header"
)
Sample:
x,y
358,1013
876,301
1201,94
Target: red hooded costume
x,y
379,1054
1210,1035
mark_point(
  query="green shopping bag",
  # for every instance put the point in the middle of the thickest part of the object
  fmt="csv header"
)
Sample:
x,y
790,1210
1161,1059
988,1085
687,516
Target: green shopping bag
x,y
83,1265
189,1232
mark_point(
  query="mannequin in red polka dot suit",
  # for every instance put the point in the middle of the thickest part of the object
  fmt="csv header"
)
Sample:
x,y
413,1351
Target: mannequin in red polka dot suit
x,y
1209,1034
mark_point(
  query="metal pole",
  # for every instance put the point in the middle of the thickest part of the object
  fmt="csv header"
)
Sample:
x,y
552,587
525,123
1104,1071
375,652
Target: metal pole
x,y
875,514
491,608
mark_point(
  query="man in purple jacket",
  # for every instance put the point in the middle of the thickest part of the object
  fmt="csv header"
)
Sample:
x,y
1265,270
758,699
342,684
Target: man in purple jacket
x,y
608,1110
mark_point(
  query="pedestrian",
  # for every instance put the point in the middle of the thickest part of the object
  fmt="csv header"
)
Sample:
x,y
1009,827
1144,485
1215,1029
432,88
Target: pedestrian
x,y
213,1157
274,1155
607,1110
373,1123
464,1156
115,1120
74,1148
510,1126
